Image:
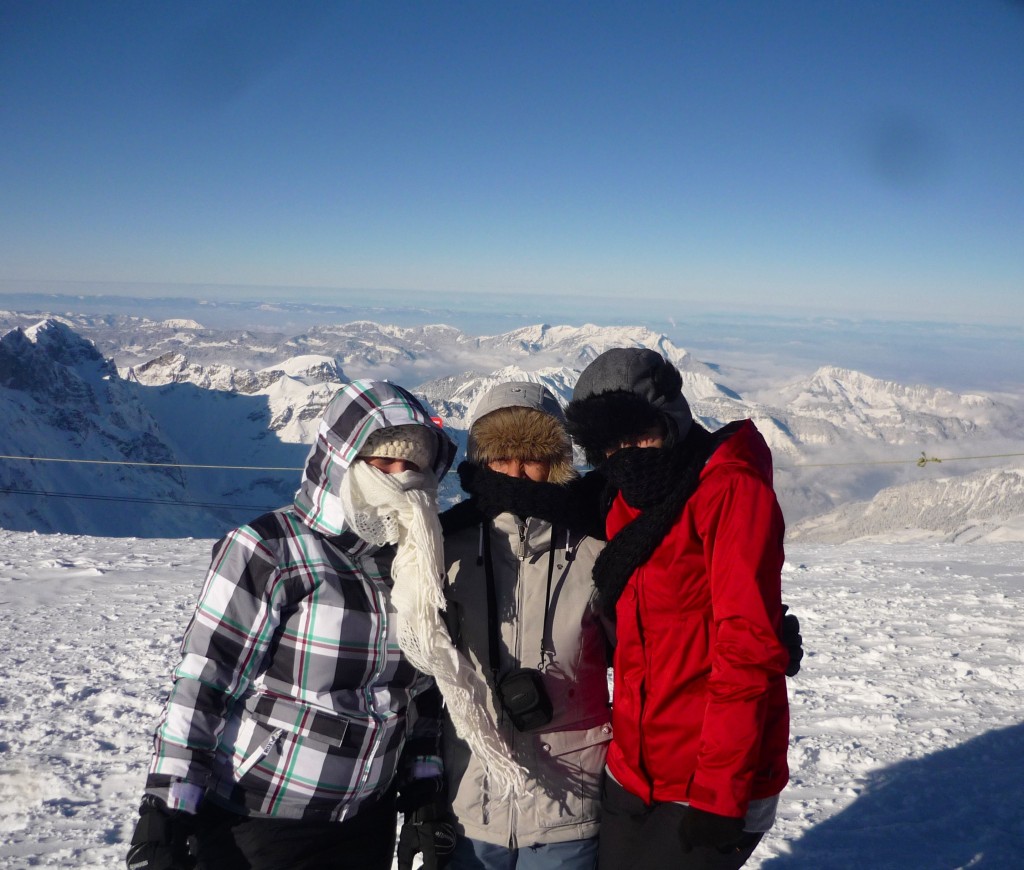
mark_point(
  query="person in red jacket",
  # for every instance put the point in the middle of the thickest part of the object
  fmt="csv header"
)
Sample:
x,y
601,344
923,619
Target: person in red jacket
x,y
692,577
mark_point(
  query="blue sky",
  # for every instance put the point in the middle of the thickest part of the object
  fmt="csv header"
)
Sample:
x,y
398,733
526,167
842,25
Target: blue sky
x,y
852,157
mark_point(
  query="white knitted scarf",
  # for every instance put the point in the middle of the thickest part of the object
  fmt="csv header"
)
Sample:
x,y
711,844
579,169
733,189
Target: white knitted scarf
x,y
402,508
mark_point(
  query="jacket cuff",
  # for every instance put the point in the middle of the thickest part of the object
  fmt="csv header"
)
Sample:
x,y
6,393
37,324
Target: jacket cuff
x,y
184,796
425,767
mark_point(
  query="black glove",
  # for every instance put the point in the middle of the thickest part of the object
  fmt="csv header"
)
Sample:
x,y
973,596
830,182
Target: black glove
x,y
160,841
701,828
428,826
792,640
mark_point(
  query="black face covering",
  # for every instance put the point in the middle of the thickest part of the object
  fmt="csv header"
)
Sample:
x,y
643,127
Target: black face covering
x,y
646,476
658,481
579,505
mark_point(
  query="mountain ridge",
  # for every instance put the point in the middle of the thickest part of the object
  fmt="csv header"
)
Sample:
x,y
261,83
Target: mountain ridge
x,y
194,403
986,505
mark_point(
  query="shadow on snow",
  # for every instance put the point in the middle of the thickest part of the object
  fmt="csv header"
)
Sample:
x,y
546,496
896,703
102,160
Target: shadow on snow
x,y
957,808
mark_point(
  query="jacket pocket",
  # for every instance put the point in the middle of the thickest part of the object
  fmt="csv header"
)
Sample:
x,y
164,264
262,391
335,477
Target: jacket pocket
x,y
257,754
298,719
558,743
277,734
569,768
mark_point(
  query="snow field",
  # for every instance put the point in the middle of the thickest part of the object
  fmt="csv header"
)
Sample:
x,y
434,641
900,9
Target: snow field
x,y
907,745
914,654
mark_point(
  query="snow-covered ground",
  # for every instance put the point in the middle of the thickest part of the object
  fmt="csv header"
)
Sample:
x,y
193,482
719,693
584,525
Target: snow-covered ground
x,y
907,749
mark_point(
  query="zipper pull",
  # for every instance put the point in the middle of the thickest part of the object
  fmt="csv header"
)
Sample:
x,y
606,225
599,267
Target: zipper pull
x,y
271,740
262,753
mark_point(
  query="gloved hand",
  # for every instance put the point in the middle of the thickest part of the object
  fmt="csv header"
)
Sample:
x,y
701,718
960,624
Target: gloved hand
x,y
792,640
428,826
701,828
160,841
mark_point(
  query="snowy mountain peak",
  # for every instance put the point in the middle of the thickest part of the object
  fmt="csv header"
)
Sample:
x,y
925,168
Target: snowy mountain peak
x,y
60,343
51,359
579,345
859,387
973,507
310,369
181,324
886,411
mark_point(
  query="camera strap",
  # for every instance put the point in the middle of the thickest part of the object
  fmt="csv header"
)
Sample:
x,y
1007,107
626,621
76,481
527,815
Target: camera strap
x,y
493,626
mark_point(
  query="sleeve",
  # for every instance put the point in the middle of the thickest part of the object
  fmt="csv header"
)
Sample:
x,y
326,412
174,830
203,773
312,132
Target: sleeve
x,y
421,755
742,533
222,650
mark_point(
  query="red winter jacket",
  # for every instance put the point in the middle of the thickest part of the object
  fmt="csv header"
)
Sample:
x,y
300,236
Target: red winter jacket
x,y
700,710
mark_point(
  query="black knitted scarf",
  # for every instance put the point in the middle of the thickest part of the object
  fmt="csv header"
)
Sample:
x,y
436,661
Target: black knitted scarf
x,y
658,481
579,505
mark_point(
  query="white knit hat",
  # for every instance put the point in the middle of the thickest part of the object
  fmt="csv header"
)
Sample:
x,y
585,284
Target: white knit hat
x,y
417,444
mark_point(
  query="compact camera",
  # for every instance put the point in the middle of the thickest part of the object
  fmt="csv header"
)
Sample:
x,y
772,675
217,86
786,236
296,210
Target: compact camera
x,y
524,698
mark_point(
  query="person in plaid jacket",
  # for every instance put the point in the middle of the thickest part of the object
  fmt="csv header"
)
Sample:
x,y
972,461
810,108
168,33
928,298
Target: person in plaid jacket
x,y
295,716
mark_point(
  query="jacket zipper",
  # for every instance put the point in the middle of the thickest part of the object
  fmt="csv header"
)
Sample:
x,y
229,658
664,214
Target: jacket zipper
x,y
382,662
643,688
513,822
260,753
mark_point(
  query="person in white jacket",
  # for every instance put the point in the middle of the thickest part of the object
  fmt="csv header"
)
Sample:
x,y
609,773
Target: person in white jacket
x,y
520,606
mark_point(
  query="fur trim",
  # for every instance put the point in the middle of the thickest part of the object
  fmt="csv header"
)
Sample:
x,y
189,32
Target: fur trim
x,y
522,433
606,420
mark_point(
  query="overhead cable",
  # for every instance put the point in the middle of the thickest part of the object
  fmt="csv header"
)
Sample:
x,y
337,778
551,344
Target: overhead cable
x,y
921,461
153,464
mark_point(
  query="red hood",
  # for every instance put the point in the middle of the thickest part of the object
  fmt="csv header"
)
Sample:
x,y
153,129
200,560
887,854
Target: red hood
x,y
745,446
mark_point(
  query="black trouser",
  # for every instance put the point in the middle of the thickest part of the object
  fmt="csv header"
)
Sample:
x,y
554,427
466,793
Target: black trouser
x,y
228,841
635,836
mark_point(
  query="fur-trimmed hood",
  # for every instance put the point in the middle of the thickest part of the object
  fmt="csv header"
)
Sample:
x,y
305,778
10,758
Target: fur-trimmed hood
x,y
521,420
623,393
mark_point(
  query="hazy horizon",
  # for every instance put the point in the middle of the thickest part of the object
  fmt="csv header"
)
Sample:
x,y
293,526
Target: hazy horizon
x,y
960,357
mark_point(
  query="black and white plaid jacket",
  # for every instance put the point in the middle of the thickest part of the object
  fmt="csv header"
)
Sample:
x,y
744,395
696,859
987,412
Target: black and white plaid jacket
x,y
292,698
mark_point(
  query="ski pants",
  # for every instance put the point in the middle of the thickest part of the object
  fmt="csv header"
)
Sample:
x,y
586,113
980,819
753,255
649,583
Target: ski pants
x,y
635,836
227,841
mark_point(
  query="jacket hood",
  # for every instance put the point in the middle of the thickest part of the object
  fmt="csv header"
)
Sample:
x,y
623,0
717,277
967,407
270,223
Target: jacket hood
x,y
357,410
623,393
521,420
745,446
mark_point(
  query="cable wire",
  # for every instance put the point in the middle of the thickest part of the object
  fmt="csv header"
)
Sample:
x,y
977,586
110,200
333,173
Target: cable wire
x,y
153,464
920,462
